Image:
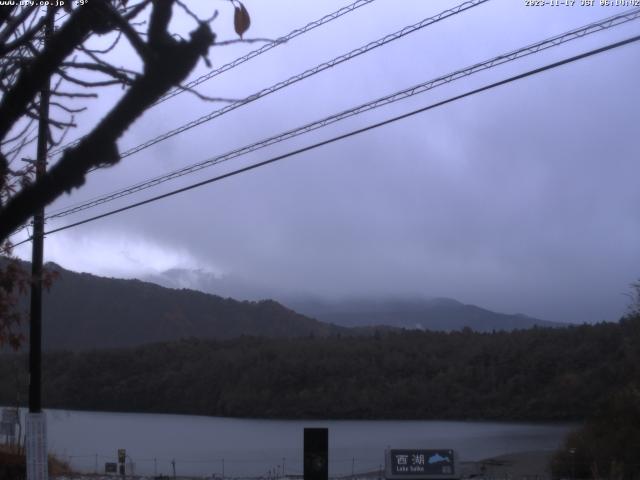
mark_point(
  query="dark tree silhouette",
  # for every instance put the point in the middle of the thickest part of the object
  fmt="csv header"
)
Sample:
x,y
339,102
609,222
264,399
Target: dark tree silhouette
x,y
66,59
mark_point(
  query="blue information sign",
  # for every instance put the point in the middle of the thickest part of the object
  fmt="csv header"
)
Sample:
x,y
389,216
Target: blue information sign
x,y
421,463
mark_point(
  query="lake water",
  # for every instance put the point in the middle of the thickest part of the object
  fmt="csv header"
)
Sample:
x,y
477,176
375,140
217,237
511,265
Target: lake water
x,y
244,447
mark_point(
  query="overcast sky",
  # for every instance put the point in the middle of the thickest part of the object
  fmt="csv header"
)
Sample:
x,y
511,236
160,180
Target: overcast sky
x,y
522,199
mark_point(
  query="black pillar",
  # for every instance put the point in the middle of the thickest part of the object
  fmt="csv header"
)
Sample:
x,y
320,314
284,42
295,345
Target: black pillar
x,y
316,454
35,313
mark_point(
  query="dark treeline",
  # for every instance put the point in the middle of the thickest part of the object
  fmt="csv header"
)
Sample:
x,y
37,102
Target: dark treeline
x,y
607,445
536,374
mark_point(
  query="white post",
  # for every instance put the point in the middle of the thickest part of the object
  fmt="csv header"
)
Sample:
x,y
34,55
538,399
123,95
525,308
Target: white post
x,y
36,446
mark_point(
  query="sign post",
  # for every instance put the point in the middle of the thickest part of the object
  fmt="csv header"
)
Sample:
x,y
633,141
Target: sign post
x,y
122,458
418,463
8,424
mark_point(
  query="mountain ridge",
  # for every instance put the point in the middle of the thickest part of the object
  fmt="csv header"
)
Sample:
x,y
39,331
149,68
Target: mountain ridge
x,y
440,313
85,311
424,313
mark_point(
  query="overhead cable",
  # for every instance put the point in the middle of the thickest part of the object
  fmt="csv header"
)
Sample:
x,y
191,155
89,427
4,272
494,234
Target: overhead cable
x,y
394,97
306,74
245,58
254,53
349,134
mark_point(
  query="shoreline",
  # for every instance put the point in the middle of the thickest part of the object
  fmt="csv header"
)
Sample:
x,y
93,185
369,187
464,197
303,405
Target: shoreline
x,y
528,464
531,465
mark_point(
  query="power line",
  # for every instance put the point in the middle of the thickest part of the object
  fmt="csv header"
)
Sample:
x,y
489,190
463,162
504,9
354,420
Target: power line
x,y
254,53
577,33
406,93
352,133
245,58
347,56
306,74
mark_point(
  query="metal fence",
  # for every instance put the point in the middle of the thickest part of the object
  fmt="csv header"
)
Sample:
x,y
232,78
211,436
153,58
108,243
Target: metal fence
x,y
285,468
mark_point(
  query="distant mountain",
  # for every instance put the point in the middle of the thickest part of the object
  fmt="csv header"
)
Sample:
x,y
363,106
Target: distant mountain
x,y
443,314
83,311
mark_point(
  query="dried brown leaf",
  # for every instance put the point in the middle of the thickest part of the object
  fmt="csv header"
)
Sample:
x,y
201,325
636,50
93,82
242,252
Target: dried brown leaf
x,y
241,19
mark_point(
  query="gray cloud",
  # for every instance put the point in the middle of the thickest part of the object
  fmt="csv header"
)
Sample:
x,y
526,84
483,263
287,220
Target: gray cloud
x,y
522,199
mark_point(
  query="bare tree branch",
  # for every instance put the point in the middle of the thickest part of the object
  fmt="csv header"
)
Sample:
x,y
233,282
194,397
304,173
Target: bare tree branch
x,y
18,135
106,50
188,11
246,40
25,37
74,94
61,45
55,143
125,27
169,63
87,83
5,13
206,98
159,23
13,153
114,72
67,109
14,22
135,10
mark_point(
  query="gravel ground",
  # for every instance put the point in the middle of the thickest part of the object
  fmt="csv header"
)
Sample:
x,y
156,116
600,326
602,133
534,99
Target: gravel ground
x,y
513,466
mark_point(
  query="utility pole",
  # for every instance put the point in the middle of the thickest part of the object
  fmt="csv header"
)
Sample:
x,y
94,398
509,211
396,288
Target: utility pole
x,y
36,426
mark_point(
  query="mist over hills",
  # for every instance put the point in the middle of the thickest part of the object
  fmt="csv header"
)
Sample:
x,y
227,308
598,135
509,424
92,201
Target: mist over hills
x,y
441,314
84,311
205,281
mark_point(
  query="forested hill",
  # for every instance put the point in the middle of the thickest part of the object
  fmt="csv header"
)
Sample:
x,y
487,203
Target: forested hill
x,y
541,374
411,311
83,311
444,314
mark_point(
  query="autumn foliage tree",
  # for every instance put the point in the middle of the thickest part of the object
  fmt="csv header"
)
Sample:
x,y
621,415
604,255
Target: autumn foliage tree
x,y
33,55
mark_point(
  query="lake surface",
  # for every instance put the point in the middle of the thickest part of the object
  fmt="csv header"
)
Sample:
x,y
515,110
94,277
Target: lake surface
x,y
243,447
